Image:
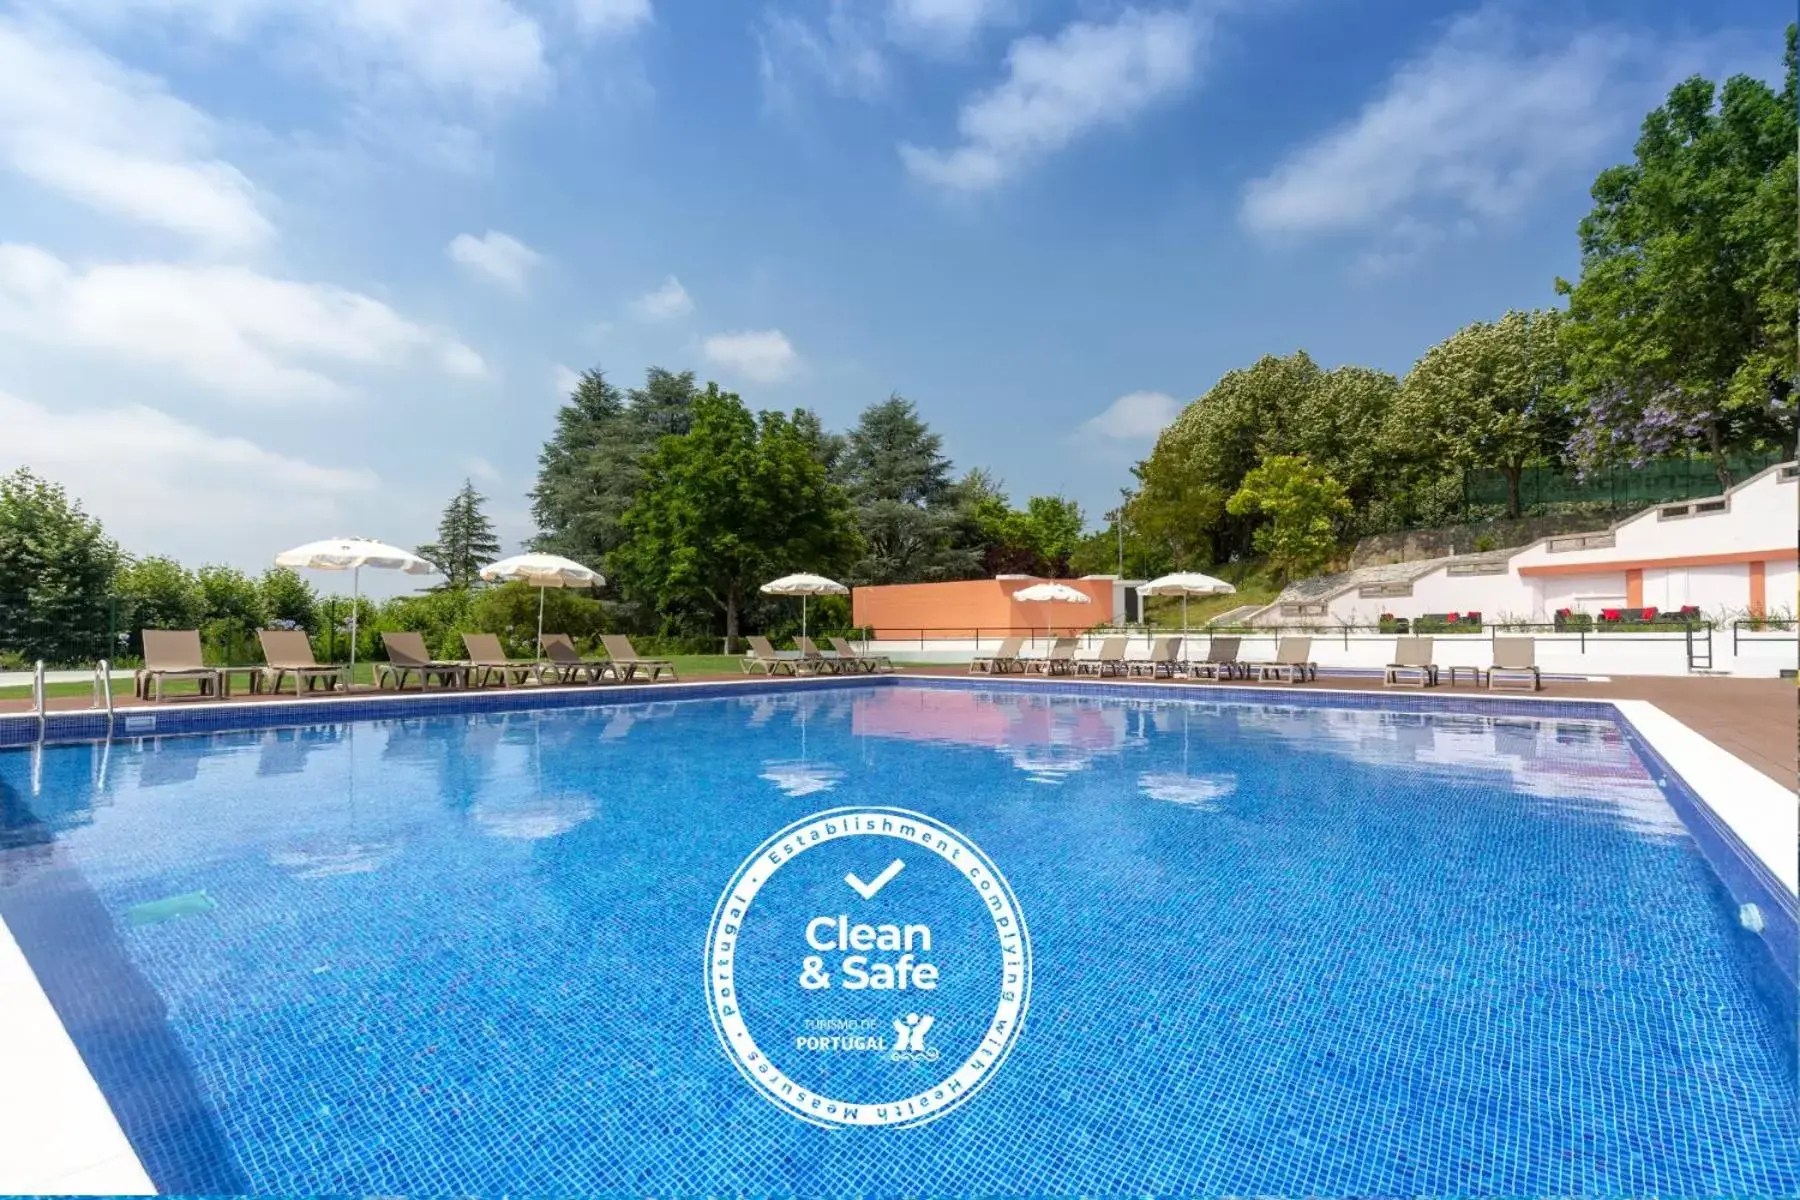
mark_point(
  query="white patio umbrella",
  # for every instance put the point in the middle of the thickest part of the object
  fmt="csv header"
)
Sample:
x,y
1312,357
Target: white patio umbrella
x,y
352,555
804,586
1051,593
1185,584
542,571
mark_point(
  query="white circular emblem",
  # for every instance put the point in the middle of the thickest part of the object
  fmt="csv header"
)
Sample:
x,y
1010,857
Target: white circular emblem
x,y
1011,984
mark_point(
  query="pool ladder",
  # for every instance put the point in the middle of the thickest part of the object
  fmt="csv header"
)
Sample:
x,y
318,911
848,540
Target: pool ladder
x,y
102,702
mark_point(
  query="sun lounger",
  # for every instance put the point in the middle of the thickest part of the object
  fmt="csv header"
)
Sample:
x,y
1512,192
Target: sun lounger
x,y
175,654
770,661
1109,659
406,655
1165,657
1292,662
821,661
1221,661
868,662
627,660
1002,661
289,652
1058,660
1412,665
488,661
566,664
1515,661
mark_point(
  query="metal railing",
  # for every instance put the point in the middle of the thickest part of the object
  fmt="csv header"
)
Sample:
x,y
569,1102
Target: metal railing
x,y
103,697
1778,625
37,694
1697,633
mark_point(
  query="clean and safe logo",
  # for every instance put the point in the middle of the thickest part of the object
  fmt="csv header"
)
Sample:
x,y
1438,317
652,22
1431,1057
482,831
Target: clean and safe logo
x,y
868,967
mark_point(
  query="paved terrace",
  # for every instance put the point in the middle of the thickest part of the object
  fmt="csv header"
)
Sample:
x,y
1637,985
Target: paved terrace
x,y
1755,719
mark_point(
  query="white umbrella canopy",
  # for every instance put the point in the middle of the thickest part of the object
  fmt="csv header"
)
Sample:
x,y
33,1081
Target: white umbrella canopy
x,y
804,585
1185,584
1051,593
542,571
352,555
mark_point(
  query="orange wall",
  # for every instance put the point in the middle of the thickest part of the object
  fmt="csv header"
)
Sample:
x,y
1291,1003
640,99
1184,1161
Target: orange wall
x,y
1759,589
959,609
1634,588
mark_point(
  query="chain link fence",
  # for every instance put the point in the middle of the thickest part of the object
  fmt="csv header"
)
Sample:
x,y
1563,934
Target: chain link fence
x,y
1663,481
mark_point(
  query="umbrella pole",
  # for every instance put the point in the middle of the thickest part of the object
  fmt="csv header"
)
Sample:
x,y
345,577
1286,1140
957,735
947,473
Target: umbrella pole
x,y
540,637
355,603
803,614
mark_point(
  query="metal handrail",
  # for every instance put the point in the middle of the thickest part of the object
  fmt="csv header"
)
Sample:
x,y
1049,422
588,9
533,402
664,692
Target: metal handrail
x,y
103,688
37,694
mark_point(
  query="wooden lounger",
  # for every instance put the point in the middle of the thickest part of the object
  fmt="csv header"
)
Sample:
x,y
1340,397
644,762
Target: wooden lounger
x,y
1293,661
406,655
289,652
488,661
175,654
868,662
1221,661
1165,656
1412,665
1108,660
619,649
566,664
1515,662
768,660
1002,661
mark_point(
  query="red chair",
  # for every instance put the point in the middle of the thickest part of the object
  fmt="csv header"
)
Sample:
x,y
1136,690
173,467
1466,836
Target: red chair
x,y
1649,614
1610,615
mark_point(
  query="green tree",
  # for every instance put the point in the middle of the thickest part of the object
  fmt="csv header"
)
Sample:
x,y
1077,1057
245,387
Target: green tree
x,y
157,593
466,541
1682,330
592,468
288,599
733,502
1299,505
1488,396
1053,528
57,568
231,612
511,611
898,480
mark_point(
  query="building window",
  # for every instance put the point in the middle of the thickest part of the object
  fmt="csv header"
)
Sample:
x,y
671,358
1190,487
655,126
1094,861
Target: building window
x,y
1303,610
1581,541
1377,590
1489,568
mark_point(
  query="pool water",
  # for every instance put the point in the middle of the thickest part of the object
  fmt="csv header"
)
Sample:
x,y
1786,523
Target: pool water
x,y
1275,950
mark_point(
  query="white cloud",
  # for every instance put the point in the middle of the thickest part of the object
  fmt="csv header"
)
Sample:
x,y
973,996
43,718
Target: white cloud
x,y
611,18
944,24
764,355
1056,90
162,485
1473,127
564,380
247,335
485,50
112,139
498,256
1135,416
668,301
843,53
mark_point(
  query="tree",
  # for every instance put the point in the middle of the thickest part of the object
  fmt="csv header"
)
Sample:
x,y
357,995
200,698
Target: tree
x,y
288,599
1299,503
57,568
1052,527
157,593
466,541
592,468
1489,395
231,611
899,484
1682,330
730,504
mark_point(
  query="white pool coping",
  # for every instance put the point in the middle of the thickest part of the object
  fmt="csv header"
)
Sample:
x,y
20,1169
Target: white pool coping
x,y
58,1135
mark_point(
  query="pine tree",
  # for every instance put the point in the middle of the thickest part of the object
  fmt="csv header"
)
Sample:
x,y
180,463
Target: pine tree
x,y
466,540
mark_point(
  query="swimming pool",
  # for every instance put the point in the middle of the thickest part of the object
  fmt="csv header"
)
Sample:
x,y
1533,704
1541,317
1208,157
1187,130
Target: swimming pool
x,y
1275,948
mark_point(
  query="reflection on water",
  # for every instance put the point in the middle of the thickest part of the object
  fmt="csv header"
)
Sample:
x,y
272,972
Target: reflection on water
x,y
527,817
799,775
1195,791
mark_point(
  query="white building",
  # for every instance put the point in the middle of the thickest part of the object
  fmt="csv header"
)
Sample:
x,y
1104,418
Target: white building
x,y
1731,554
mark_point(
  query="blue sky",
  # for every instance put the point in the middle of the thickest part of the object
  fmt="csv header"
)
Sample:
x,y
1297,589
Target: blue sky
x,y
273,270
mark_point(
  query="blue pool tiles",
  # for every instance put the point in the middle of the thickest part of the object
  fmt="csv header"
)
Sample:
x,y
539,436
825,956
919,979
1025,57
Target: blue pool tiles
x,y
1283,947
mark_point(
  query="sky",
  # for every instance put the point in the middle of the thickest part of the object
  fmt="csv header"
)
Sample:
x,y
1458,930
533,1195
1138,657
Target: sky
x,y
278,270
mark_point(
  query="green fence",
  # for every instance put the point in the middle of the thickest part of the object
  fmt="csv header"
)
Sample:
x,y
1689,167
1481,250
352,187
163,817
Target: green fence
x,y
1661,482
